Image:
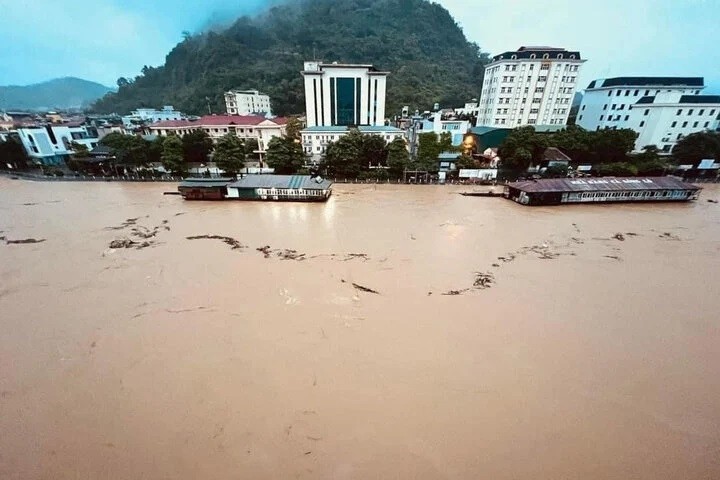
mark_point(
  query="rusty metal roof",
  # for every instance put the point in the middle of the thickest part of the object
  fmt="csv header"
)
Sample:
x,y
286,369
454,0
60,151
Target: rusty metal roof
x,y
603,184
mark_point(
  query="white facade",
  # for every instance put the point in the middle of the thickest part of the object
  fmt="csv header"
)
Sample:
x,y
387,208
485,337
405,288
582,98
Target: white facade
x,y
50,144
530,86
343,94
150,115
247,102
662,110
217,126
315,140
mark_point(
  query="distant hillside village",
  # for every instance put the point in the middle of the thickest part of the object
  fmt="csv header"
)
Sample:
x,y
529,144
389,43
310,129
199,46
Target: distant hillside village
x,y
524,125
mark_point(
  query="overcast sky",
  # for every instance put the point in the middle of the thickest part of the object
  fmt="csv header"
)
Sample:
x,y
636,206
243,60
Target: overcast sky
x,y
106,39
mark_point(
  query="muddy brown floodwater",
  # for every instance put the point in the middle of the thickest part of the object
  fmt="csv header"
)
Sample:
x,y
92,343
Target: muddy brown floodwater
x,y
394,332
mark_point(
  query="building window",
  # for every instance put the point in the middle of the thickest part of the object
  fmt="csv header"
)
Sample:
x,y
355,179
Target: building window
x,y
706,124
580,118
679,136
531,121
627,92
627,117
695,124
601,118
690,112
613,106
712,112
539,89
622,107
542,78
701,111
647,112
532,56
679,112
545,66
605,107
617,94
609,93
672,125
642,124
534,110
684,124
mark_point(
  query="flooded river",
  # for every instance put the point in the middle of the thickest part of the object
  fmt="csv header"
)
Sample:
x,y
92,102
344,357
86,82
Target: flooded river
x,y
504,342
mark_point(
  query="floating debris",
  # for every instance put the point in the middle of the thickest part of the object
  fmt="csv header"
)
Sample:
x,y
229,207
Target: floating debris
x,y
353,256
265,250
288,254
455,292
234,244
144,232
710,200
614,257
483,280
22,241
619,236
127,243
365,289
631,234
668,236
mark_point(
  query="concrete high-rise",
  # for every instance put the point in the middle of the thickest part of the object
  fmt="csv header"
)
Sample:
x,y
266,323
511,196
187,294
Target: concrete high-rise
x,y
530,86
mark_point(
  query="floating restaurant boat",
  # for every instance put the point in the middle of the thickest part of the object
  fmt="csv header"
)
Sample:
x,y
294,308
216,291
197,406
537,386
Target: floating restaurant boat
x,y
297,188
559,191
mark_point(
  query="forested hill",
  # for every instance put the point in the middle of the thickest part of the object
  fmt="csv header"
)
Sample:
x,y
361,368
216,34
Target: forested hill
x,y
419,42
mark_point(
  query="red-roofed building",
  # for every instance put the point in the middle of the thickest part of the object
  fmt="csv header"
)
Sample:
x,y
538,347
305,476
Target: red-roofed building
x,y
244,126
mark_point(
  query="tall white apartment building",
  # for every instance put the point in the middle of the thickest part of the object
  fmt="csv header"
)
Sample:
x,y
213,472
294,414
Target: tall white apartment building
x,y
247,102
344,94
530,86
662,110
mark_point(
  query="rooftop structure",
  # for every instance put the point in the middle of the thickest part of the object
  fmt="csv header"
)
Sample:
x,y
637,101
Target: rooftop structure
x,y
608,189
344,94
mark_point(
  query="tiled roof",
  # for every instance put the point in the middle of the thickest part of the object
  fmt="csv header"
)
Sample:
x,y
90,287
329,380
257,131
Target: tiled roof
x,y
552,154
700,99
649,81
538,52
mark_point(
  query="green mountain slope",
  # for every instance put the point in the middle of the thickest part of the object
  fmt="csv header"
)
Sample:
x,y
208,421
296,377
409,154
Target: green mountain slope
x,y
419,42
59,93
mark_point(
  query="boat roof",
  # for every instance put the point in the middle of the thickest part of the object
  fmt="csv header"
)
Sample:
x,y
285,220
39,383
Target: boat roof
x,y
282,181
602,184
205,182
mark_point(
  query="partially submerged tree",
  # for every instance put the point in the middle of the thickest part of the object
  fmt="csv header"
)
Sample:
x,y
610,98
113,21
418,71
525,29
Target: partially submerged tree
x,y
172,155
285,155
229,154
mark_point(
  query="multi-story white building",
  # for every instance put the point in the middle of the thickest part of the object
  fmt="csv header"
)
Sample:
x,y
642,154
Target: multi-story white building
x,y
661,110
344,94
247,102
52,144
244,126
530,86
341,96
150,115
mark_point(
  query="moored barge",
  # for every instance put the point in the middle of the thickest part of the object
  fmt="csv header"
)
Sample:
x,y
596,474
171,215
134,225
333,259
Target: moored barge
x,y
297,188
558,191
